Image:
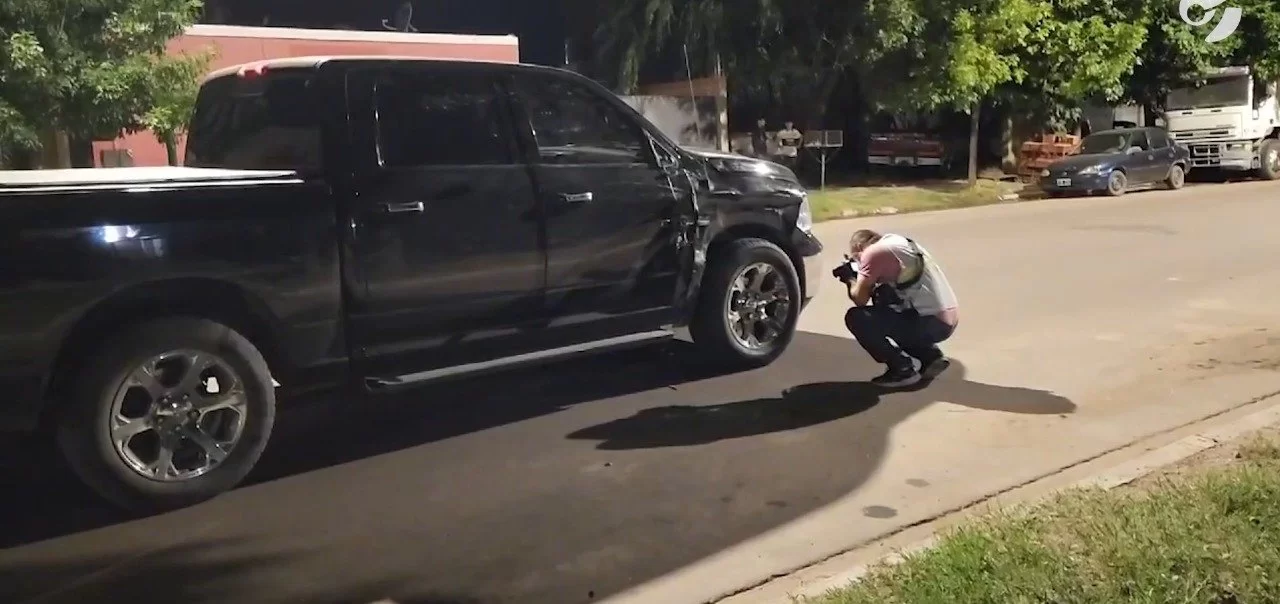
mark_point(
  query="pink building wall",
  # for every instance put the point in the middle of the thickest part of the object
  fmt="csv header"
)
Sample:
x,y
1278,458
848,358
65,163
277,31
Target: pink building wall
x,y
234,45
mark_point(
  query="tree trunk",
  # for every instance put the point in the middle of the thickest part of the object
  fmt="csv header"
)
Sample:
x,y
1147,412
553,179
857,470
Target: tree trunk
x,y
1009,144
55,150
975,114
171,149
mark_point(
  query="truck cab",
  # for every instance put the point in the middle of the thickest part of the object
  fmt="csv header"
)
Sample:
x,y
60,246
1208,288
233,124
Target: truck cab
x,y
378,223
1231,122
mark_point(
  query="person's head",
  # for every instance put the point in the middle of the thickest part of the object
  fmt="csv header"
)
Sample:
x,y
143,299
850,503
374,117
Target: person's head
x,y
790,124
761,122
861,240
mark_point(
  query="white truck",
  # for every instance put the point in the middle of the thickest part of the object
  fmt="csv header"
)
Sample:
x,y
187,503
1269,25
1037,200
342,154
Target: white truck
x,y
1232,122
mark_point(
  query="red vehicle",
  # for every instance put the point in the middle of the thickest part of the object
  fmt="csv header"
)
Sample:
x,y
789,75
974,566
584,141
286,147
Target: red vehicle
x,y
905,149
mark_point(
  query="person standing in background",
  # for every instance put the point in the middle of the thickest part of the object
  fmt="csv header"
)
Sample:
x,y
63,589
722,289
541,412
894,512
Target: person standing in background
x,y
760,139
789,140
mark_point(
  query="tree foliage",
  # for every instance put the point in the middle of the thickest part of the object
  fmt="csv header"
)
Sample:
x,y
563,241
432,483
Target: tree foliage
x,y
174,99
1041,58
793,53
87,67
1257,43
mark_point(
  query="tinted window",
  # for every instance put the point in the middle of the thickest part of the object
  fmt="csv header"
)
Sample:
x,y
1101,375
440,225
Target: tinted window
x,y
442,119
1106,142
574,125
1139,140
1159,139
257,122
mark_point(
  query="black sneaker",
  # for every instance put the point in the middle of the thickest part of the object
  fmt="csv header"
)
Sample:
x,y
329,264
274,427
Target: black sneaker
x,y
897,377
934,368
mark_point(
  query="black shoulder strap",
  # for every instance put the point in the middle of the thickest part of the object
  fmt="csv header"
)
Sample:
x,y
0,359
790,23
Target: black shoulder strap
x,y
910,283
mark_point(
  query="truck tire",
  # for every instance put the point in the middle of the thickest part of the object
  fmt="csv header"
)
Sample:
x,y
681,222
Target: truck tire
x,y
1117,183
166,414
748,307
1177,177
1270,156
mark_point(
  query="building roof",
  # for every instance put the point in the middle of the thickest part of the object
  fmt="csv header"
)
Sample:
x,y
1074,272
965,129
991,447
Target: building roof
x,y
318,60
346,35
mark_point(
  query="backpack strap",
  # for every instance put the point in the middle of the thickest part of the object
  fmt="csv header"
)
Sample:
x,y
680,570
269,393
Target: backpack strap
x,y
910,283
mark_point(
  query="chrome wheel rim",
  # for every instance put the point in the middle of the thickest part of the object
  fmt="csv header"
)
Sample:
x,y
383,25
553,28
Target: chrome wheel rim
x,y
1273,158
1178,176
758,306
178,415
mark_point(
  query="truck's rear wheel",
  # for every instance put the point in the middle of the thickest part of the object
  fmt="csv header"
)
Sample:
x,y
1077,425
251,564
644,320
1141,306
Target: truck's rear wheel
x,y
1270,156
749,305
167,413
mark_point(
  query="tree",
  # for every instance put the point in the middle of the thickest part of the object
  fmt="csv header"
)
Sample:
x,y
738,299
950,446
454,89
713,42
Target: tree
x,y
1172,53
91,68
968,50
793,52
1039,58
177,85
1258,39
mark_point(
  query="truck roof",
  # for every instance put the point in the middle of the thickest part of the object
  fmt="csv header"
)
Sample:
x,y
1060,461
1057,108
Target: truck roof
x,y
315,61
31,180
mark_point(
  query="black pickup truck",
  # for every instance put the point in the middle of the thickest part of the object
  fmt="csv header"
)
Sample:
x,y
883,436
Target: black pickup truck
x,y
376,222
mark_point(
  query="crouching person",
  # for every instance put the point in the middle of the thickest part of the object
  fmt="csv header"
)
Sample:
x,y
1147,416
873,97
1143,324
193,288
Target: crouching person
x,y
903,306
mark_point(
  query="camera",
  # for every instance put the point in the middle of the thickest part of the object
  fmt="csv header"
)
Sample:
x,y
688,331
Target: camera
x,y
846,271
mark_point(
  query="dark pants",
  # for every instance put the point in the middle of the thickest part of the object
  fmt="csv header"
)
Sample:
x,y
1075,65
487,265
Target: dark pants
x,y
878,328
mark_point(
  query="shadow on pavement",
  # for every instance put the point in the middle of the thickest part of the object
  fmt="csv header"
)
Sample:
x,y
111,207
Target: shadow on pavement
x,y
188,573
561,485
807,405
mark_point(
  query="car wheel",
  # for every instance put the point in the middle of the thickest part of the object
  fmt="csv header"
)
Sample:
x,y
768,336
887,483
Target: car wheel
x,y
1270,153
1117,183
1177,177
748,307
168,413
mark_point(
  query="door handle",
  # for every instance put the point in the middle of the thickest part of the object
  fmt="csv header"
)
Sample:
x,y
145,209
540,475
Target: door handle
x,y
407,207
576,197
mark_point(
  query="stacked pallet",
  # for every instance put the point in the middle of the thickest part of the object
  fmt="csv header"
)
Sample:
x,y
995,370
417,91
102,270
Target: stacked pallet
x,y
1036,155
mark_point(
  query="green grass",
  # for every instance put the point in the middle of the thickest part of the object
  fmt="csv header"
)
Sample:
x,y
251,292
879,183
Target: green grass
x,y
1210,537
860,200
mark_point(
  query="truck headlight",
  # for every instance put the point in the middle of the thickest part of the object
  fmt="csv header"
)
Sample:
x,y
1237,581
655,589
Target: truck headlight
x,y
740,166
804,218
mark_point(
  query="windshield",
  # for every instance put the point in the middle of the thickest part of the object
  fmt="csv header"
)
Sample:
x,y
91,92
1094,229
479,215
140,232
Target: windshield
x,y
1218,92
1105,142
256,123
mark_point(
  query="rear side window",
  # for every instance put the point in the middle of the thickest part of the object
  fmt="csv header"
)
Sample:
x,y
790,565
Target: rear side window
x,y
1139,140
260,122
442,118
1159,139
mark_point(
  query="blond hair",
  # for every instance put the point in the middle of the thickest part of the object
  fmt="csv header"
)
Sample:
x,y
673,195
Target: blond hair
x,y
862,238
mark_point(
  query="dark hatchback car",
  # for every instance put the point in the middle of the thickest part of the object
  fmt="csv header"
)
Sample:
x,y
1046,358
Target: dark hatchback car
x,y
1113,161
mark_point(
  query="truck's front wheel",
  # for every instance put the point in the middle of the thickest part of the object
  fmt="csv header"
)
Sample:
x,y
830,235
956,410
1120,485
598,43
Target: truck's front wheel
x,y
167,413
1270,159
749,305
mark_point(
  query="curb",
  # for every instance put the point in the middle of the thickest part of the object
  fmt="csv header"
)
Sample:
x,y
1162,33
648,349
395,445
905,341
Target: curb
x,y
1116,476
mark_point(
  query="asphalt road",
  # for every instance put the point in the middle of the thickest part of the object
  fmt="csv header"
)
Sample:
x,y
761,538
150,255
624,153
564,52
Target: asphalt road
x,y
1086,324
